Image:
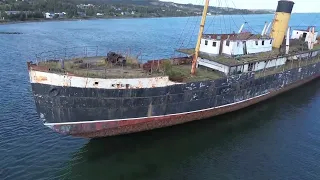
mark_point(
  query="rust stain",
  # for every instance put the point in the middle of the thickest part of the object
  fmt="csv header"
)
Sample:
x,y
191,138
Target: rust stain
x,y
140,85
40,78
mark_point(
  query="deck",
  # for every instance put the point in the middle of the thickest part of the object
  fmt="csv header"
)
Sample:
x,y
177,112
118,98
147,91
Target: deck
x,y
177,69
97,67
245,59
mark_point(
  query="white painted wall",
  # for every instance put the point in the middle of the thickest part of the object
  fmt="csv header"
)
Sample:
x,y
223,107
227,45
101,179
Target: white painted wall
x,y
237,48
245,69
213,65
261,65
227,49
234,48
209,48
271,63
252,47
83,82
236,69
49,15
297,33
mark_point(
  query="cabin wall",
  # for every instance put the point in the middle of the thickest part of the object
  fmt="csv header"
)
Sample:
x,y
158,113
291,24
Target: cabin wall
x,y
268,64
296,34
237,48
245,69
209,46
252,46
257,66
238,69
227,49
234,48
213,65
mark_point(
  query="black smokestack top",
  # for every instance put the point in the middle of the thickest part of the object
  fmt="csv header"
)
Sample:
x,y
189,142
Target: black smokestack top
x,y
285,6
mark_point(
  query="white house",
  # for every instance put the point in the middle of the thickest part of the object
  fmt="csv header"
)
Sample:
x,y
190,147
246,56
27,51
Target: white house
x,y
235,44
221,51
49,15
304,34
309,35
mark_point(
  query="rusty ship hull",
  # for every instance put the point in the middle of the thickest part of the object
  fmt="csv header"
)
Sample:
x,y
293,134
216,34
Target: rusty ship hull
x,y
89,107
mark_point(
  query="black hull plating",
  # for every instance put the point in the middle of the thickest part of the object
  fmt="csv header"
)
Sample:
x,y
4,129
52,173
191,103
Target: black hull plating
x,y
69,104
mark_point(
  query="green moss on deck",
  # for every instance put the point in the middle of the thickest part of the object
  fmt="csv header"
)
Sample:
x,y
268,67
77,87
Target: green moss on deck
x,y
97,68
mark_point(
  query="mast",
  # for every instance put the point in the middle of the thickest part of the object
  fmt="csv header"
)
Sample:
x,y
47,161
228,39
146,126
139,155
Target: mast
x,y
196,52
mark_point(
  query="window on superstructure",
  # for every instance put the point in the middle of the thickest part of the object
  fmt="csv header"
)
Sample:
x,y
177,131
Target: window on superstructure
x,y
228,43
262,43
257,43
271,42
214,44
206,42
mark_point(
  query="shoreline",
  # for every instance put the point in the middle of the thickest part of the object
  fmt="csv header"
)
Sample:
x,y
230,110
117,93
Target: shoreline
x,y
95,18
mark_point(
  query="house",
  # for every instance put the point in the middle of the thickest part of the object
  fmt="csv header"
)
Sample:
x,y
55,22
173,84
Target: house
x,y
235,44
237,52
309,35
54,15
100,14
48,15
60,15
246,52
220,52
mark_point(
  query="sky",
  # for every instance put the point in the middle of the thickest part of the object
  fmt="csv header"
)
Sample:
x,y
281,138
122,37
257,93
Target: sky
x,y
301,6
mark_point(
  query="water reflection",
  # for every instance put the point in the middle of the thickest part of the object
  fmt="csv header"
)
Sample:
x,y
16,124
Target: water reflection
x,y
179,152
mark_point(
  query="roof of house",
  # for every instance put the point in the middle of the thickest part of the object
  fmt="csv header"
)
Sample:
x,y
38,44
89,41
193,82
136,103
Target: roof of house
x,y
234,37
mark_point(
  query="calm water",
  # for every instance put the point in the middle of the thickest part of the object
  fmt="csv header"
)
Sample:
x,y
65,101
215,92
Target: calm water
x,y
277,139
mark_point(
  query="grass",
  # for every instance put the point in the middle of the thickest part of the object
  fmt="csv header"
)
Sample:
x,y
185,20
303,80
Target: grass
x,y
99,68
182,72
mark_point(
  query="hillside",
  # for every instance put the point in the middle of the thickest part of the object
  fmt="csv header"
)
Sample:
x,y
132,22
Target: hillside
x,y
35,9
186,7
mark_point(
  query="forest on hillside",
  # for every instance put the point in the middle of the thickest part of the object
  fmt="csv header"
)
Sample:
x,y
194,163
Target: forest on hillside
x,y
35,9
